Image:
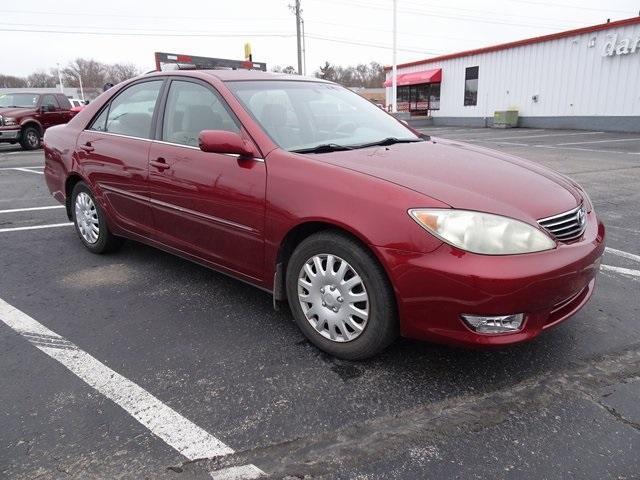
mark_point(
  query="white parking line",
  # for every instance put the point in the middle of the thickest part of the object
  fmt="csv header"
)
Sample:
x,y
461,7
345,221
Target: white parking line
x,y
175,430
28,170
627,255
17,168
541,136
602,141
623,271
31,209
35,227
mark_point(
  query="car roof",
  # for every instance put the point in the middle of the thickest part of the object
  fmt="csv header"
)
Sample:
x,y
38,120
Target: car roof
x,y
238,75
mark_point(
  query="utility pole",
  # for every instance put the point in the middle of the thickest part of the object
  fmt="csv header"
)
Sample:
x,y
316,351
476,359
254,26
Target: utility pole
x,y
298,34
394,68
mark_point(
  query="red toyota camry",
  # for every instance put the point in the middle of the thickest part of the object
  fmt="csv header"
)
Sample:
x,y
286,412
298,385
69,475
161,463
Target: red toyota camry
x,y
304,189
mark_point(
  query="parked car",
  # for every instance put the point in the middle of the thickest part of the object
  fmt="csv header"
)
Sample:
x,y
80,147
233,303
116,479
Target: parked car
x,y
24,117
77,104
367,228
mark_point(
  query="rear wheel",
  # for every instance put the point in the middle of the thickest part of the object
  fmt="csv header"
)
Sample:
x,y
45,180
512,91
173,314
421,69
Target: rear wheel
x,y
30,138
90,222
340,296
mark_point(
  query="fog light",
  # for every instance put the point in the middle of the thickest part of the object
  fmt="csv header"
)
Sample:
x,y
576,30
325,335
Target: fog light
x,y
499,324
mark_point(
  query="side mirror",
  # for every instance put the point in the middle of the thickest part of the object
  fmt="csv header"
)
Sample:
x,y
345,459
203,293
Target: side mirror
x,y
47,108
221,141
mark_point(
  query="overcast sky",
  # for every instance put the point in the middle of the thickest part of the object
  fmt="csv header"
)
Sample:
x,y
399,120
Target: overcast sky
x,y
340,31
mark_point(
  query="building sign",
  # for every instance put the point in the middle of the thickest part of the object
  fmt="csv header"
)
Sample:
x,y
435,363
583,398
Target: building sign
x,y
623,46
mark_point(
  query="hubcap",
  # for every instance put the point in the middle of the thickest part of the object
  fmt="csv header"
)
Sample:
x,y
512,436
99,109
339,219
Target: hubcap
x,y
333,297
87,218
32,138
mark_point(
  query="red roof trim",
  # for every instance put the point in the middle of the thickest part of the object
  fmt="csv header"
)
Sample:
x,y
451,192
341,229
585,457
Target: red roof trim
x,y
521,43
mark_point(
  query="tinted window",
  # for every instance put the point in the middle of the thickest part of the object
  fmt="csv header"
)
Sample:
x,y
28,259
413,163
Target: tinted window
x,y
64,102
471,86
50,101
190,109
130,113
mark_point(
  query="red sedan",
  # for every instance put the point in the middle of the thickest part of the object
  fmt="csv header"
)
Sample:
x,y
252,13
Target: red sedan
x,y
308,191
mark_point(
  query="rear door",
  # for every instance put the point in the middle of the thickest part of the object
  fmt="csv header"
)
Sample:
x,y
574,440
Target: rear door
x,y
205,204
114,151
50,111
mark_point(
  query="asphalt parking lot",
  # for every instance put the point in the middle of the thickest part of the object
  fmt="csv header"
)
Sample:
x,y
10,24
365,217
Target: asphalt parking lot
x,y
137,364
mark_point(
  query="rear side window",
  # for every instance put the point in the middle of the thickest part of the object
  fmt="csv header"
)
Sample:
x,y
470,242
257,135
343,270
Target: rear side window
x,y
192,108
50,101
131,112
64,102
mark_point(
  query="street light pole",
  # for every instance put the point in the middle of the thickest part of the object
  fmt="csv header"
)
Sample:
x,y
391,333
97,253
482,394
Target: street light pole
x,y
60,78
81,89
394,69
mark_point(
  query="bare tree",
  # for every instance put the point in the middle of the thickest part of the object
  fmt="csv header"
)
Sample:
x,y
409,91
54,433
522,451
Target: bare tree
x,y
9,81
363,75
41,79
93,73
119,72
288,69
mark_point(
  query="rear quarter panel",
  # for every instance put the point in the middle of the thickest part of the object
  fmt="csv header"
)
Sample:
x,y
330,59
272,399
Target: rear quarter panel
x,y
59,148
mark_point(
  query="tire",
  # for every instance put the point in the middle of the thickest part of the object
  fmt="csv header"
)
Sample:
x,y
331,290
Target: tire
x,y
86,213
336,287
30,138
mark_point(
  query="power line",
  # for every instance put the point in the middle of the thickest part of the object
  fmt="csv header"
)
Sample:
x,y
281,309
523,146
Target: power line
x,y
159,34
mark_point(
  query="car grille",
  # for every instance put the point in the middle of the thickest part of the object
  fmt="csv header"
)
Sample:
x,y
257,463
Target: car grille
x,y
566,226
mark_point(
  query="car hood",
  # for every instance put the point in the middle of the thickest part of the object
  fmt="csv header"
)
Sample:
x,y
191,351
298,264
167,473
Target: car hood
x,y
466,177
11,112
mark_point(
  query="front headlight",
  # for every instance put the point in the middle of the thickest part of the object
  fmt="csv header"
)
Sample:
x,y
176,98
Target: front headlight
x,y
8,121
483,233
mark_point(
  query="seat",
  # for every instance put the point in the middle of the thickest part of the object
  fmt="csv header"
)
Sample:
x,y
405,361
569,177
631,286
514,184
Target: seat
x,y
274,120
188,126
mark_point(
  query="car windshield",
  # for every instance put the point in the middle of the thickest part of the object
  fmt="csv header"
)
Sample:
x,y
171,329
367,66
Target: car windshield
x,y
26,100
318,117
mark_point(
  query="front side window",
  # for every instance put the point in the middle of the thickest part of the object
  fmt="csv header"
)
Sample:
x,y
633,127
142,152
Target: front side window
x,y
131,112
192,108
471,86
303,115
19,100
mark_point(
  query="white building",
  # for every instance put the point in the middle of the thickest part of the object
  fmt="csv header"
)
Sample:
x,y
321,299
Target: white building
x,y
587,78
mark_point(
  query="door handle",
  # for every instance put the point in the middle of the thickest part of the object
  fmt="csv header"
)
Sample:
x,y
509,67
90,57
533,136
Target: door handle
x,y
87,147
159,163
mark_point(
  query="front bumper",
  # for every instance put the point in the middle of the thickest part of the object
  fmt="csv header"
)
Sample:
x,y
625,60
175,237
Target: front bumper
x,y
435,289
9,135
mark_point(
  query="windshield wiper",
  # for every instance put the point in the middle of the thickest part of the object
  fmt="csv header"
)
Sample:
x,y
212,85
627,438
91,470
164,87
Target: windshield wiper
x,y
389,141
323,148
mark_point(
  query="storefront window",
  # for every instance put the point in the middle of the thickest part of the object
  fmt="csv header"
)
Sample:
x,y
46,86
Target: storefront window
x,y
471,86
419,98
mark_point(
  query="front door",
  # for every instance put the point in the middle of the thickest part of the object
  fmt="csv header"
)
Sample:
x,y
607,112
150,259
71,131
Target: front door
x,y
114,154
207,205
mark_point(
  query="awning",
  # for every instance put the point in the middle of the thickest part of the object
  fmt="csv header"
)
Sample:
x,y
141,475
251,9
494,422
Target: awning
x,y
428,76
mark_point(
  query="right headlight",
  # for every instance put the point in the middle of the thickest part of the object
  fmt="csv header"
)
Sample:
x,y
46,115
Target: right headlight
x,y
483,233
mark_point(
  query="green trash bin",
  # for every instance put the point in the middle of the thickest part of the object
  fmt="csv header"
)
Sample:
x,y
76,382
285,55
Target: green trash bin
x,y
505,119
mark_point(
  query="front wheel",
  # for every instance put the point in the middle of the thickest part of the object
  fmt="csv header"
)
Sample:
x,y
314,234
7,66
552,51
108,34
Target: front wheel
x,y
30,138
340,296
90,222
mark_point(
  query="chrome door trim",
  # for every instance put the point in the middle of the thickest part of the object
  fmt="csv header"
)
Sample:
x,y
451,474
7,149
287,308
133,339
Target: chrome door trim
x,y
177,208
